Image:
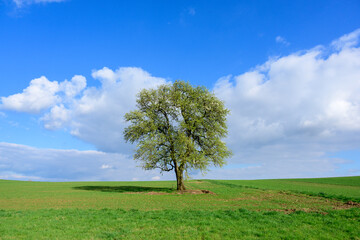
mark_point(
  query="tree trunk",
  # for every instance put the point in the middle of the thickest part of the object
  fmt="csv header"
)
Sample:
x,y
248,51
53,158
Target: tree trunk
x,y
180,179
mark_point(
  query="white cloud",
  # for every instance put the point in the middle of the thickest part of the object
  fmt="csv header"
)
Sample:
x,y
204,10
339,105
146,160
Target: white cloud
x,y
39,95
21,3
95,115
287,115
42,94
56,118
98,116
156,178
282,40
300,105
73,87
347,41
27,163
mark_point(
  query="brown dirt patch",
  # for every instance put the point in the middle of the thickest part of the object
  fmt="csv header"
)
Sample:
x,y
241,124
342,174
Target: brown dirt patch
x,y
346,205
188,191
193,191
307,210
286,211
147,193
289,202
156,193
353,204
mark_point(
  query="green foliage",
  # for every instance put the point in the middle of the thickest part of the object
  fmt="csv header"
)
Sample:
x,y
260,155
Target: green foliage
x,y
178,127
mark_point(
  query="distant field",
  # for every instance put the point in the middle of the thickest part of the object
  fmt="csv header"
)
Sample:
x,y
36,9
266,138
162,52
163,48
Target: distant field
x,y
153,210
342,188
345,181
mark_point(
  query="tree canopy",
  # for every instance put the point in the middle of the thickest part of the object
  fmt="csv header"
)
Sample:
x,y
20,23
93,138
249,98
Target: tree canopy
x,y
178,127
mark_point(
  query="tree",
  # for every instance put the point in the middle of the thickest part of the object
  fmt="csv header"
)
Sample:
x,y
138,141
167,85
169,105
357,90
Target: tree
x,y
178,127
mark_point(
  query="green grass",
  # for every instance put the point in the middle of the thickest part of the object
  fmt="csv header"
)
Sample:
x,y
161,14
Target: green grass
x,y
345,181
342,188
177,224
259,209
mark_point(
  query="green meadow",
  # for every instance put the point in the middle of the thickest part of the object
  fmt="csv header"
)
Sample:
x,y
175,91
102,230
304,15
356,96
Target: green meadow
x,y
327,208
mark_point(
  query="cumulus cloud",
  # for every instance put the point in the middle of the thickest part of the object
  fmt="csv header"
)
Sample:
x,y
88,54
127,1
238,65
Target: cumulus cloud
x,y
73,87
304,103
56,118
42,94
39,95
93,114
27,163
97,116
300,96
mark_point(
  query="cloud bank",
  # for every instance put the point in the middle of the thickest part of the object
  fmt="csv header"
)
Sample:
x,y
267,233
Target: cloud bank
x,y
288,115
27,163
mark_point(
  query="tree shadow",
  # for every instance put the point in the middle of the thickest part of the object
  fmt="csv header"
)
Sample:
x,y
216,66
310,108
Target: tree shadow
x,y
122,189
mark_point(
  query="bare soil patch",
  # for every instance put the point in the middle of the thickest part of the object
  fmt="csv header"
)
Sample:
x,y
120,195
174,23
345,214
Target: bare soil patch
x,y
147,193
156,193
189,191
307,210
354,204
347,205
290,202
193,191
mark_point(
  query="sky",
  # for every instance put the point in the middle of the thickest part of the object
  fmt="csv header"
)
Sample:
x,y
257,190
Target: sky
x,y
289,72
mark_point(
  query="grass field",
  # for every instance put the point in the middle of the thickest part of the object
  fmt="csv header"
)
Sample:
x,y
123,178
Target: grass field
x,y
341,188
237,209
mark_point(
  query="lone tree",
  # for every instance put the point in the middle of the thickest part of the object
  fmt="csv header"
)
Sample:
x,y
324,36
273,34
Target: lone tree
x,y
178,127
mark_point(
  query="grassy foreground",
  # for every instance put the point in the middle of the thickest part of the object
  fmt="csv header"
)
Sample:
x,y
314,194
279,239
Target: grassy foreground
x,y
260,209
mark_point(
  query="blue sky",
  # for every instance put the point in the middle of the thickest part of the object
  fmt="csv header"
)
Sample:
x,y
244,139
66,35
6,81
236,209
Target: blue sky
x,y
287,70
